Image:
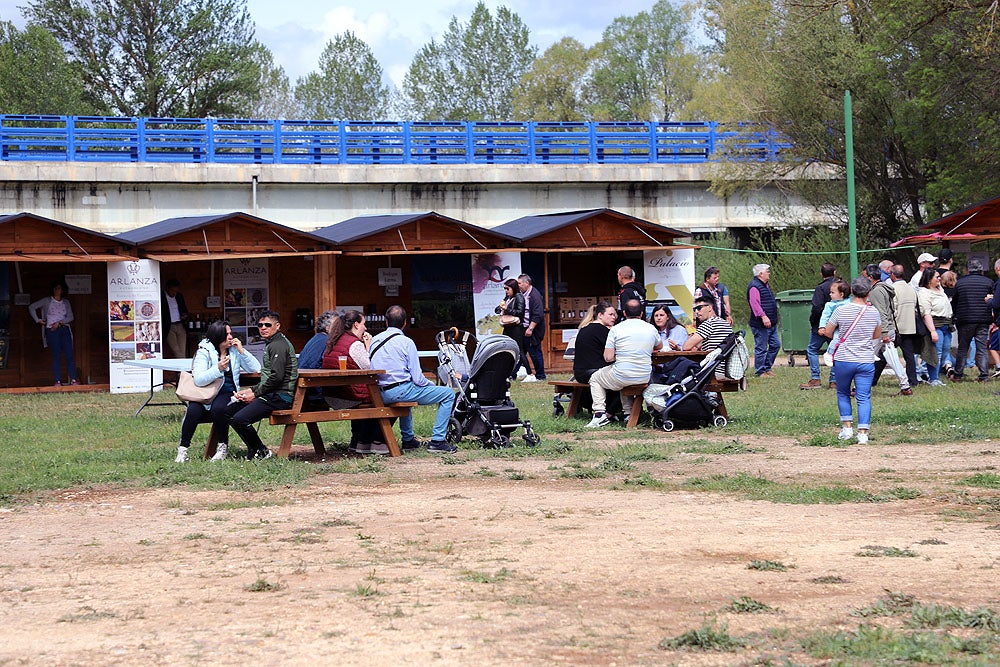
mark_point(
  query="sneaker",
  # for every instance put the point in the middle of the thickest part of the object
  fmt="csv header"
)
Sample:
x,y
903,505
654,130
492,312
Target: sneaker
x,y
599,420
221,451
439,447
182,455
379,448
955,377
983,378
846,433
263,454
767,374
522,372
73,382
812,384
950,372
362,448
996,374
936,383
58,383
410,445
862,438
530,378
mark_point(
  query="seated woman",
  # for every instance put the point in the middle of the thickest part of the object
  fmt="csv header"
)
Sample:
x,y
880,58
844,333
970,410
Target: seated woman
x,y
672,333
589,357
348,337
219,355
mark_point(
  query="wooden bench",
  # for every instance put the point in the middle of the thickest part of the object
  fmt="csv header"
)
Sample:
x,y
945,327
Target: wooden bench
x,y
576,390
311,418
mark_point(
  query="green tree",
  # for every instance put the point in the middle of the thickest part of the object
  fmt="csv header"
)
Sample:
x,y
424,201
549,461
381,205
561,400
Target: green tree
x,y
553,89
272,96
36,77
157,57
922,76
645,66
349,84
471,73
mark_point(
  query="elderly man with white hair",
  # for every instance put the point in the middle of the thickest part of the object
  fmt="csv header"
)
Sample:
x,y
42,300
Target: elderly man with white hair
x,y
763,321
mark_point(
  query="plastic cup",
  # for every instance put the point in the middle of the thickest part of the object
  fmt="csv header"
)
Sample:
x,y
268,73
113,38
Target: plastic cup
x,y
343,363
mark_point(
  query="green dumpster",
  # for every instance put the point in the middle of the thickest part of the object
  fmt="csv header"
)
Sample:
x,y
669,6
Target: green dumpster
x,y
794,306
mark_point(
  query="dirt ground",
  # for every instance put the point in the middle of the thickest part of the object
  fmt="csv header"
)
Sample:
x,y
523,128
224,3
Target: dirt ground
x,y
435,563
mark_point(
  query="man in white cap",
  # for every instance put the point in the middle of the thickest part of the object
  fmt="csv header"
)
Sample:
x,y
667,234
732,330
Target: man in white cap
x,y
925,261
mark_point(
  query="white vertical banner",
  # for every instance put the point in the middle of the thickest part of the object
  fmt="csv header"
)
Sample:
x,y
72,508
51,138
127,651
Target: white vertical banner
x,y
489,272
669,274
246,296
133,313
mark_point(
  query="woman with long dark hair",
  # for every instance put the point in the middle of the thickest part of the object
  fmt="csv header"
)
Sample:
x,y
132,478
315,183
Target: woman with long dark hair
x,y
348,337
512,309
219,355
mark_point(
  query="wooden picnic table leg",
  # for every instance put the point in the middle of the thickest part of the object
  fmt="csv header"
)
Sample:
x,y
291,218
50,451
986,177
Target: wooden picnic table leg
x,y
213,443
633,416
317,438
384,423
574,402
722,406
286,441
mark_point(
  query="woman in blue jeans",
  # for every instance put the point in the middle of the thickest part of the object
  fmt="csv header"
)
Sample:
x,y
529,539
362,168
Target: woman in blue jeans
x,y
855,326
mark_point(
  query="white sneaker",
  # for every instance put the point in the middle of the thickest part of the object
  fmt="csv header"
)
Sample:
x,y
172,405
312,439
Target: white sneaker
x,y
221,451
862,438
846,433
522,372
598,422
182,455
530,378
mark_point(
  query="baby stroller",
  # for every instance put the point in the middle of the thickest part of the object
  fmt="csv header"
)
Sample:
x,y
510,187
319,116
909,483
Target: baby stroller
x,y
483,407
679,396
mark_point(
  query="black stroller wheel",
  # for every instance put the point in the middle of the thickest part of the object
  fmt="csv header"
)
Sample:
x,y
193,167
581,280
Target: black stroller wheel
x,y
719,421
454,432
667,425
531,439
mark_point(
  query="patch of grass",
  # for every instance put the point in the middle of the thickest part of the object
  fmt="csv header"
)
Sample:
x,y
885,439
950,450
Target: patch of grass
x,y
196,536
876,645
87,614
262,585
879,551
333,523
721,448
891,604
938,616
709,637
304,536
366,591
368,464
747,605
641,481
452,461
824,440
485,472
982,480
932,540
244,504
829,579
518,475
581,472
757,487
768,566
615,462
500,576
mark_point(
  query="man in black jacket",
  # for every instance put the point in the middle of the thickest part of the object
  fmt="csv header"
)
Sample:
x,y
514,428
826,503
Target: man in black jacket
x,y
821,295
973,316
534,326
630,289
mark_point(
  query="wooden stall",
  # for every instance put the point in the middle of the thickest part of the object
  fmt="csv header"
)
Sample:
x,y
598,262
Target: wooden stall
x,y
193,250
37,251
410,245
580,253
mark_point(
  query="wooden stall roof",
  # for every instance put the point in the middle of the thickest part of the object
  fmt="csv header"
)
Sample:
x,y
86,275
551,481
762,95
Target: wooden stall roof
x,y
411,233
594,229
977,223
221,237
26,237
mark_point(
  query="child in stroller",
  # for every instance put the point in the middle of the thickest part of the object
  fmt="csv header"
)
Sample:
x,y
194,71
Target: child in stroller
x,y
483,407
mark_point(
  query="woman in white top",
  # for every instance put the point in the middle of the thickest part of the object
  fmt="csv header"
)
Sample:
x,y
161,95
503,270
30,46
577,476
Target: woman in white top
x,y
855,326
936,310
54,314
672,333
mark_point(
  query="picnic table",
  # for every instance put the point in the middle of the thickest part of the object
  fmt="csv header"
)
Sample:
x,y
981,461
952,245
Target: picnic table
x,y
303,412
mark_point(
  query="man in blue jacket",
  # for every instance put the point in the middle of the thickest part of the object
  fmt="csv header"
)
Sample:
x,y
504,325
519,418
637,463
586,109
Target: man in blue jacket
x,y
763,321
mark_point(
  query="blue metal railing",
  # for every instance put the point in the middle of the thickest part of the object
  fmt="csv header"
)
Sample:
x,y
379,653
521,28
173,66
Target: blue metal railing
x,y
216,140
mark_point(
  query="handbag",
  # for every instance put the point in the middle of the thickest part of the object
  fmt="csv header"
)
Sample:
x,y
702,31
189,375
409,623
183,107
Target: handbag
x,y
507,320
188,391
922,329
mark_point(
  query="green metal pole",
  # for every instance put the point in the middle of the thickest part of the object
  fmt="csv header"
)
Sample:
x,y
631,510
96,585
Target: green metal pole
x,y
852,217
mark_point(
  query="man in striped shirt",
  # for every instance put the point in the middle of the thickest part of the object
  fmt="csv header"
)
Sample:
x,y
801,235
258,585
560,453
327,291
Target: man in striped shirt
x,y
711,331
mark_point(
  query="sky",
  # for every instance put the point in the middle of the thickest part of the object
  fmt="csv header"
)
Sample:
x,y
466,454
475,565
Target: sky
x,y
297,30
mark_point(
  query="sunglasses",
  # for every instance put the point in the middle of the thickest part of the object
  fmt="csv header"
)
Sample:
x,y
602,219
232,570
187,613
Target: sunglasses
x,y
265,325
697,308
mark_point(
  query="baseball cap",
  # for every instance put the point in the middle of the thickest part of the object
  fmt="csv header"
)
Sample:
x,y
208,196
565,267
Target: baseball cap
x,y
945,254
926,257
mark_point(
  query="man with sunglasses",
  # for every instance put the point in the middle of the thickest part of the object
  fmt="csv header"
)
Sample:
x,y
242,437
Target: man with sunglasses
x,y
273,392
711,331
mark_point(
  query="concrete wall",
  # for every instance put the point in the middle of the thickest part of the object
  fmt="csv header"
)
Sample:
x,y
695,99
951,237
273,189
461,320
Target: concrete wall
x,y
116,197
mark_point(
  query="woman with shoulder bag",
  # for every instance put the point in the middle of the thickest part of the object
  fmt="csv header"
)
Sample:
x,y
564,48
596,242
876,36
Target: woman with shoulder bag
x,y
219,356
511,311
935,309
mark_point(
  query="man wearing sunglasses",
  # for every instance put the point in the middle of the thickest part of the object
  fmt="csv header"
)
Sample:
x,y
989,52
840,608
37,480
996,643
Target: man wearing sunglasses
x,y
711,331
273,392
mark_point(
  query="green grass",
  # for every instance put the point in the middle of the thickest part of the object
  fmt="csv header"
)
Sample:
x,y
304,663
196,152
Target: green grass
x,y
768,566
709,637
875,645
982,481
747,605
755,487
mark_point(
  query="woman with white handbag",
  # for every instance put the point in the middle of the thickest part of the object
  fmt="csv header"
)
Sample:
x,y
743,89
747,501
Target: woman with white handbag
x,y
511,312
215,372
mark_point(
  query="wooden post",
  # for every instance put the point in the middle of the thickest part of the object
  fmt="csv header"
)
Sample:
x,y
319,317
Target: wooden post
x,y
325,278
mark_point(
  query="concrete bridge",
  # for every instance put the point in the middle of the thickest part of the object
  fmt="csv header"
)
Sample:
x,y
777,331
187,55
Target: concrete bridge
x,y
117,197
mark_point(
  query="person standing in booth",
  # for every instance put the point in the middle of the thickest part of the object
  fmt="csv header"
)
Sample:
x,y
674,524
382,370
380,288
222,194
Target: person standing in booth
x,y
55,313
534,326
175,317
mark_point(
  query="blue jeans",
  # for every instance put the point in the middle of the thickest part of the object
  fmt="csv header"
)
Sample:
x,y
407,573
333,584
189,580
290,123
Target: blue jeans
x,y
861,375
60,342
812,353
535,353
443,397
943,345
765,347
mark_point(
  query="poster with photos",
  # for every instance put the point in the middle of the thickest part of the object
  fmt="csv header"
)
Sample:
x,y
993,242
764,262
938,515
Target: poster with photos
x,y
245,297
133,312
